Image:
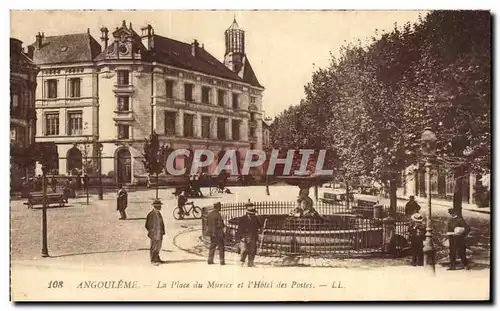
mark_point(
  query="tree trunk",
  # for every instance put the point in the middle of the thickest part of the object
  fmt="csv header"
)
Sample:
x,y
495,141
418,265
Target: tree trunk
x,y
157,185
457,193
393,197
267,185
346,193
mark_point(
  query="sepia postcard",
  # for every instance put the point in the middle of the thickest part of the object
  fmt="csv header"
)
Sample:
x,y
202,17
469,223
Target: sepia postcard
x,y
250,155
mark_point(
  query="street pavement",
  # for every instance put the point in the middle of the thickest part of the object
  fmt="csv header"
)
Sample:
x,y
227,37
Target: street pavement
x,y
88,242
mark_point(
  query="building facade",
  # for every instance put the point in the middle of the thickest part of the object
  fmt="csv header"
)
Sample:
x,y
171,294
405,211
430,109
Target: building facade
x,y
23,74
120,91
415,181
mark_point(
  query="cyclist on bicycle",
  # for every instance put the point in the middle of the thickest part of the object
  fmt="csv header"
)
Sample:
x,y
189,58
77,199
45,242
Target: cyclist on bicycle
x,y
181,203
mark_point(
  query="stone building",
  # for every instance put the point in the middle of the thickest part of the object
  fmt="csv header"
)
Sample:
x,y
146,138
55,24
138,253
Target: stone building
x,y
133,83
22,111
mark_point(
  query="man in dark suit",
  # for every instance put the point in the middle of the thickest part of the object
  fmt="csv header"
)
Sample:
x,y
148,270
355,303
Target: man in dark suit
x,y
156,231
215,229
458,229
122,202
412,207
248,235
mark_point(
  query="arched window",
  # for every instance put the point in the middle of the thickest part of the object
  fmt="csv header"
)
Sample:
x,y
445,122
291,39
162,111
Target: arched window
x,y
124,166
74,161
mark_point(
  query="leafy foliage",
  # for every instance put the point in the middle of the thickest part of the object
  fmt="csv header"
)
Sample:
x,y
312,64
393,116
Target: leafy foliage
x,y
370,106
155,156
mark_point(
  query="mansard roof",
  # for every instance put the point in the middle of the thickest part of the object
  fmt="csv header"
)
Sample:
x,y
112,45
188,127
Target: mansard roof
x,y
81,47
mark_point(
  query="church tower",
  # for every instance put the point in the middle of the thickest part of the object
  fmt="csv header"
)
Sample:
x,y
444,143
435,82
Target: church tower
x,y
235,48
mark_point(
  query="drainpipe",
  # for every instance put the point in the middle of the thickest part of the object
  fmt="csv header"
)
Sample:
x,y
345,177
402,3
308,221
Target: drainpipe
x,y
152,94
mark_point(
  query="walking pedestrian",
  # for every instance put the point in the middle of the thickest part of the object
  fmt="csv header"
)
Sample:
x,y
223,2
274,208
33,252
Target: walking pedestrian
x,y
156,230
417,236
248,235
53,184
122,202
458,229
215,229
412,206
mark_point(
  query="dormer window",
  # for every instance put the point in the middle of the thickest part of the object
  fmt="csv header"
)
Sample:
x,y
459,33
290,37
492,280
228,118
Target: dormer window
x,y
123,77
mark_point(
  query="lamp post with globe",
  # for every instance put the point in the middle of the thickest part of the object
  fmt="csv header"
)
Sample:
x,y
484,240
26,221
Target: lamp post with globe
x,y
428,145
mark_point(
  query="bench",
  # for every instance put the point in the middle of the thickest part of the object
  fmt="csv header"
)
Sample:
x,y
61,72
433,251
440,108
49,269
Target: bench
x,y
335,197
51,198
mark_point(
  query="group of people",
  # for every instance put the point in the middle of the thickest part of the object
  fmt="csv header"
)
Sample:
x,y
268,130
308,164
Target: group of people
x,y
247,236
457,231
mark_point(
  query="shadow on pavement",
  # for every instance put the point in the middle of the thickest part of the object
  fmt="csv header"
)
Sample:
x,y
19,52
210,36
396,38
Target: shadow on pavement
x,y
102,252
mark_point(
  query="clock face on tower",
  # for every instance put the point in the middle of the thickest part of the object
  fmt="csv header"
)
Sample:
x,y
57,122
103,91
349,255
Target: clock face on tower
x,y
123,49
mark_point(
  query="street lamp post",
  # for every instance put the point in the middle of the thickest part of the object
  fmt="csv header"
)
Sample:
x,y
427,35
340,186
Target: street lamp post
x,y
428,141
99,150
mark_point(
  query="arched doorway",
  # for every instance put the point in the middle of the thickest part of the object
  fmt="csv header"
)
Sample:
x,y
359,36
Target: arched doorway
x,y
74,161
123,166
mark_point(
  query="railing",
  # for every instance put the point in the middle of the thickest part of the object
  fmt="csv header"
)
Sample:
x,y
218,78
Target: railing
x,y
337,231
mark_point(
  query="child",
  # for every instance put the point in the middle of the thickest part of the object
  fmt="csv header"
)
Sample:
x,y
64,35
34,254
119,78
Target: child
x,y
417,236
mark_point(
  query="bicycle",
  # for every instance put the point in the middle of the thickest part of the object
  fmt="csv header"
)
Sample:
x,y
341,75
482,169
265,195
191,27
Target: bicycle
x,y
195,211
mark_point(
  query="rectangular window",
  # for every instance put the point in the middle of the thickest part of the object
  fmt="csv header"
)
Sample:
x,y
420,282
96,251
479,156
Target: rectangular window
x,y
52,88
450,183
169,89
188,92
221,128
434,182
235,129
75,123
252,99
123,131
52,124
74,87
205,127
170,118
235,101
221,94
188,125
252,117
252,132
205,95
14,98
252,146
123,77
123,103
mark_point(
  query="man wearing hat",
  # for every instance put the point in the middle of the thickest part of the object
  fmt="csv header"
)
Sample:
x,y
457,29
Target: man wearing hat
x,y
457,231
412,207
248,234
122,202
215,230
156,231
417,236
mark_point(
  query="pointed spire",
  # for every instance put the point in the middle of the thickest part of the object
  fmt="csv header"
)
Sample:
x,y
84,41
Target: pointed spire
x,y
124,24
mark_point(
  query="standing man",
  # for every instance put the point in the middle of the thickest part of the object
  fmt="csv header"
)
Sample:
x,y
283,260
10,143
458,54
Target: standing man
x,y
417,237
122,202
457,231
156,231
248,235
412,207
215,229
53,184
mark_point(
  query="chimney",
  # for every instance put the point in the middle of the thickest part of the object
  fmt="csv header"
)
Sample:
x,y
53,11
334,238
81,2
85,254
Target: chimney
x,y
31,51
39,40
147,37
194,46
104,36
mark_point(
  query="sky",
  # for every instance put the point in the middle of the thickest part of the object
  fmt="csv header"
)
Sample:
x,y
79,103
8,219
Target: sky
x,y
284,47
